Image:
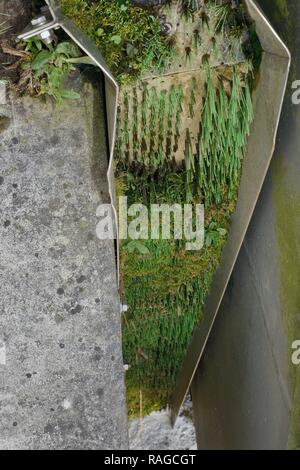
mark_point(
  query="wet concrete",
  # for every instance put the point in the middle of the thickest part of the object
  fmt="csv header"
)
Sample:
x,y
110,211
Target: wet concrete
x,y
246,391
61,368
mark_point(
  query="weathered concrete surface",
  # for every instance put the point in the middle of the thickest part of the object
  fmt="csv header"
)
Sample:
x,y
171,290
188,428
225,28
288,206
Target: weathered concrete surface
x,y
239,392
61,370
246,392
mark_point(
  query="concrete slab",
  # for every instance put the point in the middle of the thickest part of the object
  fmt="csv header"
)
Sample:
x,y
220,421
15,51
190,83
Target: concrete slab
x,y
239,397
61,368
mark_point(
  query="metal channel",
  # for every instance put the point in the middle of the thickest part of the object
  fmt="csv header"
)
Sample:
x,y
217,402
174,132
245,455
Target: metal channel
x,y
267,99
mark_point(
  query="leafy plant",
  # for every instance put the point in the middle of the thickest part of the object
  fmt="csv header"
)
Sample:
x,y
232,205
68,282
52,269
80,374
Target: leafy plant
x,y
50,66
129,38
214,234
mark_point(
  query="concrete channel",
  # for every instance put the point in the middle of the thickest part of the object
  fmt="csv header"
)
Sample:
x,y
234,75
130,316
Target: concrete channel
x,y
61,368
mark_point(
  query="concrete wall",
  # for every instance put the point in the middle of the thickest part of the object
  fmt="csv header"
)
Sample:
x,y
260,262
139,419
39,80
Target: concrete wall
x,y
61,368
246,392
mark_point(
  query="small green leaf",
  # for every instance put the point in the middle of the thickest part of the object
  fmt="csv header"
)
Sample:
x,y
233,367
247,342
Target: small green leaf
x,y
116,39
70,94
222,232
130,247
81,60
137,246
38,44
142,249
208,240
41,59
100,32
131,51
26,66
34,44
67,48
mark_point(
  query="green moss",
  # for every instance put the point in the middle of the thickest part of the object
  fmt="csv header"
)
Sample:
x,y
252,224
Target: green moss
x,y
129,37
165,291
282,9
166,287
287,206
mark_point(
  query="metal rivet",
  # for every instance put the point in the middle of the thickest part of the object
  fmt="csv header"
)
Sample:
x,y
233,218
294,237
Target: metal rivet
x,y
124,308
39,21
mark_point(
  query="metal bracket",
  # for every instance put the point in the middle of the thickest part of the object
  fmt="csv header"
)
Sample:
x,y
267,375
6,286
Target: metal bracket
x,y
42,26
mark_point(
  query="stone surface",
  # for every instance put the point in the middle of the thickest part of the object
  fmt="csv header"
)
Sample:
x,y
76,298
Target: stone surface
x,y
61,368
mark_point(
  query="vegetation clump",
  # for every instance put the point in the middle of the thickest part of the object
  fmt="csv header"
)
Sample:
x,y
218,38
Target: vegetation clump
x,y
47,68
205,121
129,38
165,285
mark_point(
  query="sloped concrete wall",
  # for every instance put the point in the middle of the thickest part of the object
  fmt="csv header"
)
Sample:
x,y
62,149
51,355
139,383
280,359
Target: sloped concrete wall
x,y
61,368
246,390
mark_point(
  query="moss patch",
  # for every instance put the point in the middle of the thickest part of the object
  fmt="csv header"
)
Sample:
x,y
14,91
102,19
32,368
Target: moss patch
x,y
129,38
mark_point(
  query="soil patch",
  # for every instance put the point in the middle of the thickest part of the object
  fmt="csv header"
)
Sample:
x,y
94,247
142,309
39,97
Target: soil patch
x,y
14,16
